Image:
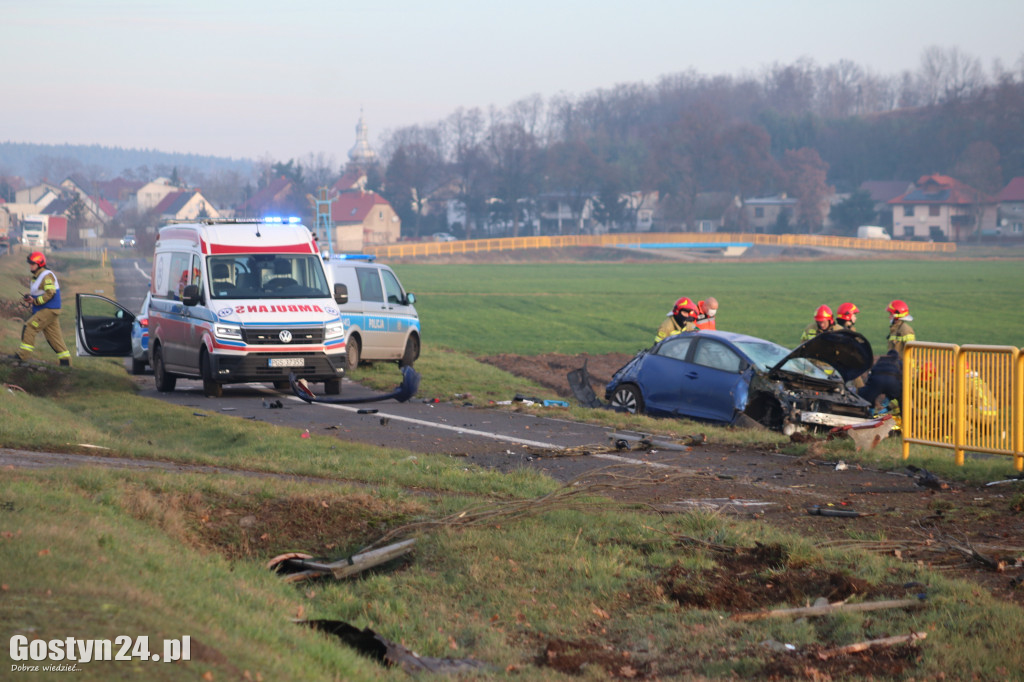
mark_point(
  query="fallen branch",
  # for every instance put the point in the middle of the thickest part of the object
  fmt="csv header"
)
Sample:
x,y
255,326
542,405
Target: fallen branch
x,y
871,643
827,609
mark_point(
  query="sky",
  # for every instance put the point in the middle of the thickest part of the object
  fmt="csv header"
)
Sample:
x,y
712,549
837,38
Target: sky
x,y
283,79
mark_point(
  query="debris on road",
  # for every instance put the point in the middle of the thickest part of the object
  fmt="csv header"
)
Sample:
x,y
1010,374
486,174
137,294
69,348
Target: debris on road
x,y
867,435
926,479
818,510
406,390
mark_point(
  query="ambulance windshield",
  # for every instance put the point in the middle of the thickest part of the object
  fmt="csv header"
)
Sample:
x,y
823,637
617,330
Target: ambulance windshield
x,y
267,276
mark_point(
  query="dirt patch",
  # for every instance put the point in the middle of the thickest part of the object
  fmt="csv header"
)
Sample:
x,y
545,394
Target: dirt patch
x,y
551,369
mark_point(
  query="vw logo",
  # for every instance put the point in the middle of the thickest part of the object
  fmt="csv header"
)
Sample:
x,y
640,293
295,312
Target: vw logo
x,y
285,336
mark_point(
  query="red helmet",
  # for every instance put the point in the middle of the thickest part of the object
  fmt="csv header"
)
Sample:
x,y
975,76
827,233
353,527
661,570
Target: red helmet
x,y
823,313
37,258
847,311
898,309
686,306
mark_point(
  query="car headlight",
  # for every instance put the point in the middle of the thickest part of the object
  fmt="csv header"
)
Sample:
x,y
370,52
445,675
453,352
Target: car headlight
x,y
227,331
334,330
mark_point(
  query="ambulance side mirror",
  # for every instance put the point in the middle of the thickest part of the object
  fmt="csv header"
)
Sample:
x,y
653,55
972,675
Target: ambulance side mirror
x,y
340,294
190,296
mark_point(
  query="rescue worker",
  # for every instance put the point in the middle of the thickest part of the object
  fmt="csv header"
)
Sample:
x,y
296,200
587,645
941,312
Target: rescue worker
x,y
681,319
900,333
823,322
885,381
44,297
706,311
846,316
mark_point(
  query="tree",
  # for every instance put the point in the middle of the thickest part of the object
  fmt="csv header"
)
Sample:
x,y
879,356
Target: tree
x,y
413,172
512,143
469,164
850,213
805,175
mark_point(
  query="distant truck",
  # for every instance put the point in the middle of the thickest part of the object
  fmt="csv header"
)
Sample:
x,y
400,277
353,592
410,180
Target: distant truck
x,y
44,231
872,232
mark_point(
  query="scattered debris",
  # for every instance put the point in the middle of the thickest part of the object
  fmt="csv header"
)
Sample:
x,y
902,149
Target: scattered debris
x,y
866,435
827,609
367,410
406,390
623,441
818,510
579,382
1015,479
273,405
841,466
299,567
926,479
871,643
380,649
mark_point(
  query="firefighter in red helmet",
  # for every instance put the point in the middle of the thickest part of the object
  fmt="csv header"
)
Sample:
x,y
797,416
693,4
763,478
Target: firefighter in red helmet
x,y
846,316
900,333
824,321
681,319
44,298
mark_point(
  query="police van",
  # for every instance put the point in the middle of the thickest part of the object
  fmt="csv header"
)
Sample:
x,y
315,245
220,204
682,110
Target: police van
x,y
231,301
380,319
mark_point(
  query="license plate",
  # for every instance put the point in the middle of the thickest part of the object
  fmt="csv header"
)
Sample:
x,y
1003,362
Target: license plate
x,y
287,362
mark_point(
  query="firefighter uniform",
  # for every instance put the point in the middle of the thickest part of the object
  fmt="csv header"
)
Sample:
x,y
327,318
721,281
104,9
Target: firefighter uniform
x,y
45,298
900,334
671,327
813,330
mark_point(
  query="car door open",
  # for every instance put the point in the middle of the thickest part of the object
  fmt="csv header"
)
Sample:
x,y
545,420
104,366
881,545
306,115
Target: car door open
x,y
103,327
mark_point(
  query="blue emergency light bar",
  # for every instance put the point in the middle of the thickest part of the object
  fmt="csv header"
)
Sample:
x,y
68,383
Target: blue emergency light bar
x,y
282,221
354,256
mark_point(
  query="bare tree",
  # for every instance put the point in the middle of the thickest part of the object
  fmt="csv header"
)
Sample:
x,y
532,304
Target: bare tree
x,y
949,75
468,163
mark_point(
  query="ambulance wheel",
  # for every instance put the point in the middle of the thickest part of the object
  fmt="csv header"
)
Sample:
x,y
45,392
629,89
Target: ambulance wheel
x,y
332,387
211,388
164,380
412,352
353,352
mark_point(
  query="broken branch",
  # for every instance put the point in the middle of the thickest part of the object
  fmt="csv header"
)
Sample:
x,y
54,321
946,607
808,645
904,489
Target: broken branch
x,y
827,609
870,643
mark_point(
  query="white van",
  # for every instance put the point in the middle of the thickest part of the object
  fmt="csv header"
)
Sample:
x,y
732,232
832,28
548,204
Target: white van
x,y
233,301
872,232
380,320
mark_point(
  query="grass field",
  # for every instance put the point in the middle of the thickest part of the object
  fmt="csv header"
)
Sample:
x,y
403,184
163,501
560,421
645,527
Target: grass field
x,y
616,307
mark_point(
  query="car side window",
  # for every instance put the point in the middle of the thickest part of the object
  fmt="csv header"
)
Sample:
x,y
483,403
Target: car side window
x,y
675,347
393,288
717,356
369,285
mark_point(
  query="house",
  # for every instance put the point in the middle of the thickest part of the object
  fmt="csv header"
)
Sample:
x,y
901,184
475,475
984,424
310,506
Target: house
x,y
149,195
360,218
715,211
1010,202
94,212
184,205
881,192
761,215
941,208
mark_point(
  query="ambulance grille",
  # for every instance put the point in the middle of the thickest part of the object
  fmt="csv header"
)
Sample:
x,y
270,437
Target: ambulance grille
x,y
272,336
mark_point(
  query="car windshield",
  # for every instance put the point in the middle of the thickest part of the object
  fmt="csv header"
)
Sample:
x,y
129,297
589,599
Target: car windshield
x,y
765,355
272,275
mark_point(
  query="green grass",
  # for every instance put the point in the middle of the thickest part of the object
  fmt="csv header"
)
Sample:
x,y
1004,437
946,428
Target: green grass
x,y
616,307
504,563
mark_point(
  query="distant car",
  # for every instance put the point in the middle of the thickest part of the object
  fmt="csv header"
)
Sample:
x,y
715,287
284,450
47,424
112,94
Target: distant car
x,y
140,339
443,237
732,378
128,241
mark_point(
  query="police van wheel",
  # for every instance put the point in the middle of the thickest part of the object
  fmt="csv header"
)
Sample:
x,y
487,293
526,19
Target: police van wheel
x,y
165,381
332,387
211,388
412,351
353,352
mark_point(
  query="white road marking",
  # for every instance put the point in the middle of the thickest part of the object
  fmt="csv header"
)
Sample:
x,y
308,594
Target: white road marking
x,y
141,271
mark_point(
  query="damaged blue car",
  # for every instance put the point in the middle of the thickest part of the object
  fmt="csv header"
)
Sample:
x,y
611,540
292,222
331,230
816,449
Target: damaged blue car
x,y
738,379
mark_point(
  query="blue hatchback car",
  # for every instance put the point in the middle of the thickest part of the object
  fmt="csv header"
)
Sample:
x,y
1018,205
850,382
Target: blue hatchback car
x,y
732,378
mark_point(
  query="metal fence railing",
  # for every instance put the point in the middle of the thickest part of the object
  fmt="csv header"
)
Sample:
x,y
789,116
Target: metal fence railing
x,y
415,249
964,398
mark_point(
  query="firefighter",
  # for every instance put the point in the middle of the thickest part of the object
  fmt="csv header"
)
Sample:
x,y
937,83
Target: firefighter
x,y
706,311
900,333
681,319
823,322
44,297
846,316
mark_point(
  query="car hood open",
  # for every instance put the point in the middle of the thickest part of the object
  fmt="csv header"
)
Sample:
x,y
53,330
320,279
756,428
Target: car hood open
x,y
848,352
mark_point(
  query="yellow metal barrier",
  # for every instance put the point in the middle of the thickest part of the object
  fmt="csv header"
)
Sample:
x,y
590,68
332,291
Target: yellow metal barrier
x,y
964,397
414,249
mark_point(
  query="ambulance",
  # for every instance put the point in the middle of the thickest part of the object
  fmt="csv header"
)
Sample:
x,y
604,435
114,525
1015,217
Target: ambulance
x,y
230,301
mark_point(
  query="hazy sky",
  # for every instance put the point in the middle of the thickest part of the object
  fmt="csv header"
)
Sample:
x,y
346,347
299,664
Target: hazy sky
x,y
285,78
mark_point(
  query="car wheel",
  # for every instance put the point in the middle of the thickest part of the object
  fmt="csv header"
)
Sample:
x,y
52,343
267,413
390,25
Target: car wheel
x,y
412,352
165,381
138,366
211,388
332,387
627,397
353,352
